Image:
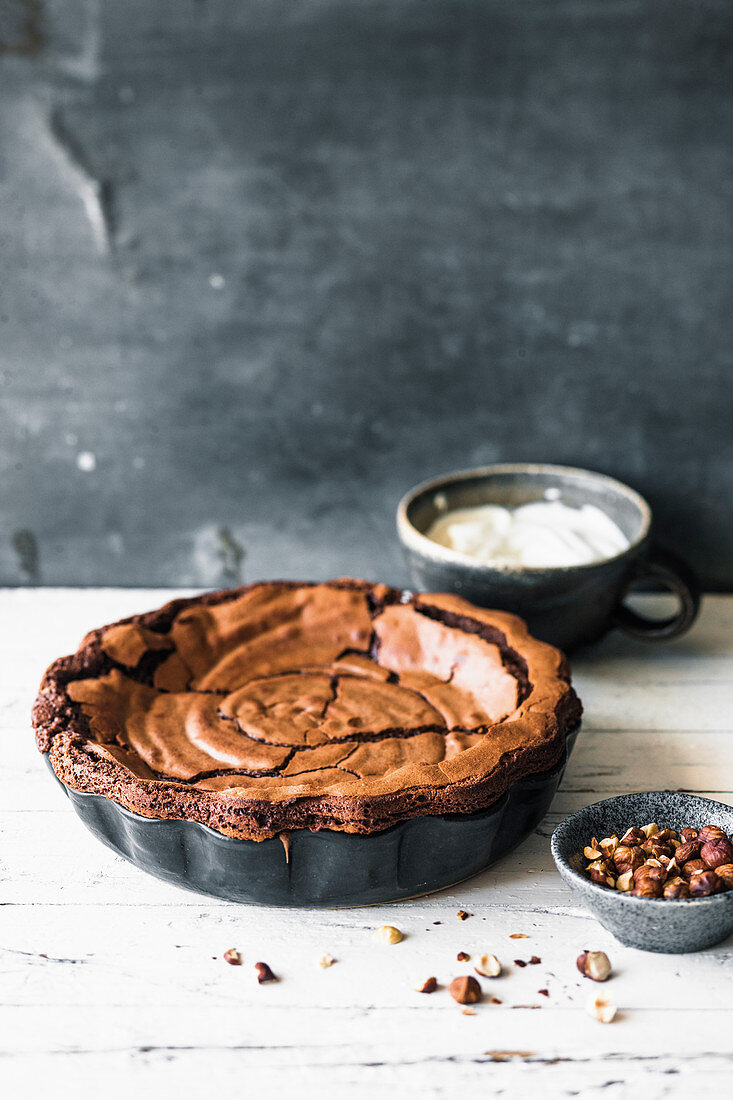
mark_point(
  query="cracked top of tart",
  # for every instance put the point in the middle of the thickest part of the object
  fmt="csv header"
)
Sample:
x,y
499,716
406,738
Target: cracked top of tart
x,y
342,705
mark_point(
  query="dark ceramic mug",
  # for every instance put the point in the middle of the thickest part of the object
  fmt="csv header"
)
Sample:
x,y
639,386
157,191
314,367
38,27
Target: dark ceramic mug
x,y
567,605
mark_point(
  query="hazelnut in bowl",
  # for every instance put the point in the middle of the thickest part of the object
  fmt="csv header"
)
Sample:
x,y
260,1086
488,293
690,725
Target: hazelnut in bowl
x,y
655,868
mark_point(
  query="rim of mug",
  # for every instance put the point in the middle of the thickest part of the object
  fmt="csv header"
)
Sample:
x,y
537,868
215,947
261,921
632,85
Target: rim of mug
x,y
414,539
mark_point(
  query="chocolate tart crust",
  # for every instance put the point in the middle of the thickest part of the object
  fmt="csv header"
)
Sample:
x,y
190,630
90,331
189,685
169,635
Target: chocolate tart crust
x,y
430,662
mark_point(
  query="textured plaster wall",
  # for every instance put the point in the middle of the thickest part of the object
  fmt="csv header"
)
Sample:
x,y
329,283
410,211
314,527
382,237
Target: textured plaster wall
x,y
266,263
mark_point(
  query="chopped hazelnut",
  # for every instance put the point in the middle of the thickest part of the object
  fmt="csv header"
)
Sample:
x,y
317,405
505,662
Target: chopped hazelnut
x,y
387,934
650,829
654,850
633,837
264,974
625,882
591,852
601,873
594,965
603,1009
688,834
428,986
488,966
462,957
233,957
326,961
609,846
463,915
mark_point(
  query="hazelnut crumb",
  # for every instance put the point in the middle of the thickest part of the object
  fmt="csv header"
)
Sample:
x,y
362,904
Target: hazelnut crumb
x,y
488,966
233,957
264,974
468,1012
594,964
326,961
603,1009
428,986
520,962
518,936
463,915
535,960
507,1055
544,992
387,934
462,957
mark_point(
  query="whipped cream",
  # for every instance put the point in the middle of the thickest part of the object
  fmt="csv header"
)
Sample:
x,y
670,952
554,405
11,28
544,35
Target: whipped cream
x,y
544,534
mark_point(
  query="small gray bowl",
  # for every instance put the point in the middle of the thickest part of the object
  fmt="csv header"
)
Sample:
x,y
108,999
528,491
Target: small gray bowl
x,y
649,924
564,605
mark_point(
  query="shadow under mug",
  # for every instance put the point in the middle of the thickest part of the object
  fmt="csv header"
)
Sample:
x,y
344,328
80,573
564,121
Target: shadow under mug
x,y
567,606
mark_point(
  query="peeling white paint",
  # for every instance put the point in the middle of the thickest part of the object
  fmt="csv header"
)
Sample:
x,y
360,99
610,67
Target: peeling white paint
x,y
86,461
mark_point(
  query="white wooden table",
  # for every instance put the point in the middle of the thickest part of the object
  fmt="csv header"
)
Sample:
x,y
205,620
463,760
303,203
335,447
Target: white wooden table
x,y
112,980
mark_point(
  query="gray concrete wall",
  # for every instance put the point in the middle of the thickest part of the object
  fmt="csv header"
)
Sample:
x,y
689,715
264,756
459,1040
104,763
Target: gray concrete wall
x,y
266,263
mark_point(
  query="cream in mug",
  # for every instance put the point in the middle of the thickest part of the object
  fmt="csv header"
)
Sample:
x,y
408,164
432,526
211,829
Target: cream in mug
x,y
543,534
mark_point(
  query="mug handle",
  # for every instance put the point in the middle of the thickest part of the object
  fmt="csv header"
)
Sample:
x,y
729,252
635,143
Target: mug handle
x,y
669,571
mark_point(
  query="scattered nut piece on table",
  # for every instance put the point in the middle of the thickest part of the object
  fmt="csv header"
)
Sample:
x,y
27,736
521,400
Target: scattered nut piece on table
x,y
488,966
466,990
603,1009
653,862
595,965
428,986
326,961
264,974
233,957
387,934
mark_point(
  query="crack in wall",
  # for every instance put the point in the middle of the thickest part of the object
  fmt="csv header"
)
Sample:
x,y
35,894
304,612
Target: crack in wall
x,y
97,193
25,546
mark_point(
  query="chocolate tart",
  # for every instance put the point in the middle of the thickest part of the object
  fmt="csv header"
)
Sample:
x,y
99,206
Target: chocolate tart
x,y
290,743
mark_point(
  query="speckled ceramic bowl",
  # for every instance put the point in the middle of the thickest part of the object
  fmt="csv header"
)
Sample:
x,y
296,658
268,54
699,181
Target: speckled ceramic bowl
x,y
673,927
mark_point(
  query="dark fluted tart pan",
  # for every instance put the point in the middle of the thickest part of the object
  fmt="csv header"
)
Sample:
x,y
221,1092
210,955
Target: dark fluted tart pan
x,y
325,868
